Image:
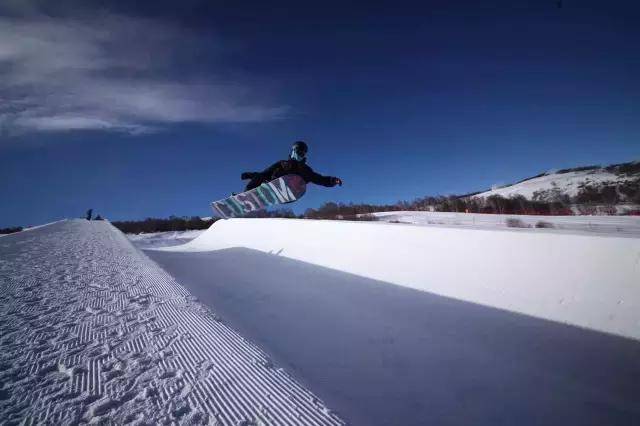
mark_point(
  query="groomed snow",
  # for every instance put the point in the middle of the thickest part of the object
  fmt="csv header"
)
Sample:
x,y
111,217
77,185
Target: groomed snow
x,y
583,280
92,331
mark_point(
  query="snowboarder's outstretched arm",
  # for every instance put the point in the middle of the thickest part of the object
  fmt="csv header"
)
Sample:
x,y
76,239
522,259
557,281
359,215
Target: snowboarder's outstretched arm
x,y
318,179
265,174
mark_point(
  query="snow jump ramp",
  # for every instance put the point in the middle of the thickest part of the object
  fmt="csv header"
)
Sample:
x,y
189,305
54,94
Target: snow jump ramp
x,y
381,353
583,280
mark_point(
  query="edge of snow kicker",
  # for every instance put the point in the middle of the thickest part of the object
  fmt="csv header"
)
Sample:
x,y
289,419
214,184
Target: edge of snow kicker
x,y
583,280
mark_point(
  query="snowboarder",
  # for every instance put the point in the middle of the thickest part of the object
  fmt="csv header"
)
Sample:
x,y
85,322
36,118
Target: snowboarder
x,y
295,165
89,213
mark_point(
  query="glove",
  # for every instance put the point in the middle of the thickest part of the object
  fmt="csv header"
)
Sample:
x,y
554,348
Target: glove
x,y
337,181
246,175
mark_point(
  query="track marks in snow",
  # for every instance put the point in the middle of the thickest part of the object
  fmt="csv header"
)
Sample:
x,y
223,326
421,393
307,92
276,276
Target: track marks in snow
x,y
92,330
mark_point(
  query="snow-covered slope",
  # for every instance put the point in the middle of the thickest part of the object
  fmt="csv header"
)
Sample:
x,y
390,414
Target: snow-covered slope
x,y
601,225
552,185
92,331
589,281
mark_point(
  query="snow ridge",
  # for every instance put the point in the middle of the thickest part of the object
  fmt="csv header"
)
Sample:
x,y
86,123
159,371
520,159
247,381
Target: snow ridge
x,y
91,330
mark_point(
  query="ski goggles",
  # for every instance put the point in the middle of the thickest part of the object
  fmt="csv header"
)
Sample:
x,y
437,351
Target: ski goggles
x,y
298,155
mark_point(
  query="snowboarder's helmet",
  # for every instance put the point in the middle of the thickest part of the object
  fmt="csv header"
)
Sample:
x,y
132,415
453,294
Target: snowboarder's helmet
x,y
299,151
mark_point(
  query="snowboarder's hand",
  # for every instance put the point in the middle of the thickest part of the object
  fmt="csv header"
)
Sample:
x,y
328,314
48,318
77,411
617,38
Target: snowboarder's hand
x,y
246,175
337,181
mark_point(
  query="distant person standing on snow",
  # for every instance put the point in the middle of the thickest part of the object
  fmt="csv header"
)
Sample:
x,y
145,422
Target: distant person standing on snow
x,y
296,164
89,214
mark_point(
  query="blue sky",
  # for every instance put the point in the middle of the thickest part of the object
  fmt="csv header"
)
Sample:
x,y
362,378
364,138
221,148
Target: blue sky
x,y
153,110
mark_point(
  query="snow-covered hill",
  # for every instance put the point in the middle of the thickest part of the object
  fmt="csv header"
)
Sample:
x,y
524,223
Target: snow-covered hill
x,y
555,185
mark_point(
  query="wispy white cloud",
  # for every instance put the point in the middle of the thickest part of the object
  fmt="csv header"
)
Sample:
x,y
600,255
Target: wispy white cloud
x,y
114,73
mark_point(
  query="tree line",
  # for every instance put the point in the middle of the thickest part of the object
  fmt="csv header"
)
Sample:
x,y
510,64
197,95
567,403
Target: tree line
x,y
176,223
11,230
589,200
173,223
493,204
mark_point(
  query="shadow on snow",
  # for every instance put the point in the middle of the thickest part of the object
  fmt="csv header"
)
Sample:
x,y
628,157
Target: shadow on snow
x,y
382,354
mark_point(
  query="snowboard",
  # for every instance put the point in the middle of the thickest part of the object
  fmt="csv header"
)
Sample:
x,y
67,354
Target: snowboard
x,y
285,189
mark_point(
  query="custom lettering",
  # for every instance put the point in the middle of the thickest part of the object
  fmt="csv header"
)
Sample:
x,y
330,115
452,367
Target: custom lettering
x,y
254,195
246,201
283,193
267,193
222,209
235,204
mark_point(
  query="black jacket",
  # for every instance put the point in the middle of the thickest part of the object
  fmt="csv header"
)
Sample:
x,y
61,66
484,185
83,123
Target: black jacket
x,y
288,167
